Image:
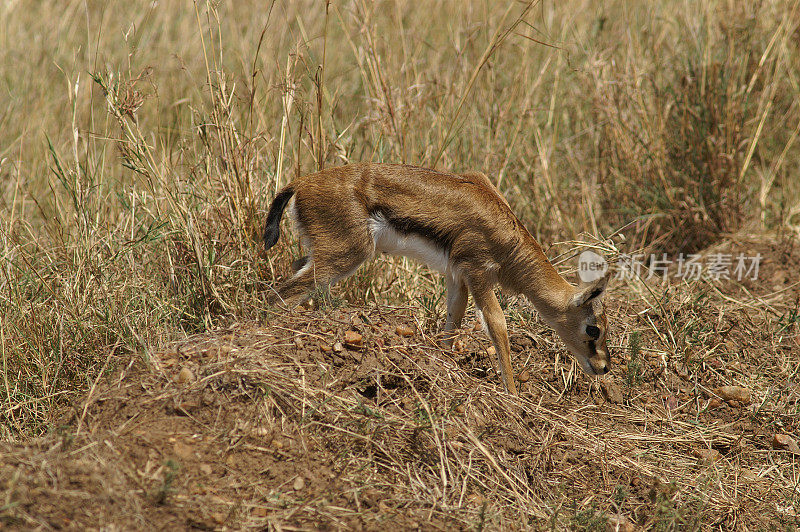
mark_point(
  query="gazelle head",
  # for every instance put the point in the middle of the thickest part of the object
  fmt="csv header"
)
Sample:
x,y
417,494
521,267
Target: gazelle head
x,y
582,326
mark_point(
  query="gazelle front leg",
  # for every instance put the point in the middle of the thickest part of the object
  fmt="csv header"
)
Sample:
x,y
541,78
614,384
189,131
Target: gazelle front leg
x,y
457,295
495,321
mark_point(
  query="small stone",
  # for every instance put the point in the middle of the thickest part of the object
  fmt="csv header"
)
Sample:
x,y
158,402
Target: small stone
x,y
261,432
620,523
786,443
524,376
370,496
491,350
733,393
325,348
185,375
299,483
460,409
611,392
477,499
353,339
337,347
671,402
187,406
183,451
707,456
404,330
205,469
522,342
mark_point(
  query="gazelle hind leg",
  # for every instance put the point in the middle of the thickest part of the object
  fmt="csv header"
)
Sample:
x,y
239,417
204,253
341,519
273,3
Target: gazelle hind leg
x,y
457,296
298,288
320,271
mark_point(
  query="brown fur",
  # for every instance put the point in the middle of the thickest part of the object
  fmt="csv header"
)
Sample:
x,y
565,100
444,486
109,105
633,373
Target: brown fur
x,y
463,214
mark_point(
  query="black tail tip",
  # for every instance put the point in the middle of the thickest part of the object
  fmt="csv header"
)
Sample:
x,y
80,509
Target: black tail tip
x,y
271,235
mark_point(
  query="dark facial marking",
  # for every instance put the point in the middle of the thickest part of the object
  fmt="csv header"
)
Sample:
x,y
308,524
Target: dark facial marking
x,y
593,331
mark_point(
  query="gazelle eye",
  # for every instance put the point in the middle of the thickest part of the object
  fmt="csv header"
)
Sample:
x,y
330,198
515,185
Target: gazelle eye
x,y
593,331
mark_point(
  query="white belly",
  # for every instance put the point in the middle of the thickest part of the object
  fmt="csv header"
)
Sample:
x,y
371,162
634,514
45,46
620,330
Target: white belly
x,y
388,240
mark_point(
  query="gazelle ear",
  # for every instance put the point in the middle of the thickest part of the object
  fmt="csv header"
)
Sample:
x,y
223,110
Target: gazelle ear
x,y
587,292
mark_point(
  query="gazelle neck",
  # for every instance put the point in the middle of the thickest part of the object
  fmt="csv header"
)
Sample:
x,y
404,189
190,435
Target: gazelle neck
x,y
536,278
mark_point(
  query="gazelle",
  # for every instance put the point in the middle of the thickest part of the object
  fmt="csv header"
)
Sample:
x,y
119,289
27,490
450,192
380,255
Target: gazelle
x,y
458,224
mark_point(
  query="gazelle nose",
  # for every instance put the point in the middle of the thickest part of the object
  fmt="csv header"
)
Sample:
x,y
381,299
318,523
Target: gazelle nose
x,y
601,367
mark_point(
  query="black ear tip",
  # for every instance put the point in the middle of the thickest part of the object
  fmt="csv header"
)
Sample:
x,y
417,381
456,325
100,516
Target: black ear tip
x,y
602,282
586,292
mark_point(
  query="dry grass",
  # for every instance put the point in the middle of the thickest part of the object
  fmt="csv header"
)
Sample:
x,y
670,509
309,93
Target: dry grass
x,y
140,145
218,430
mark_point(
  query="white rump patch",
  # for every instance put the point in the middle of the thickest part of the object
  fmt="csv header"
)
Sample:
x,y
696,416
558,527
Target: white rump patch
x,y
299,229
388,240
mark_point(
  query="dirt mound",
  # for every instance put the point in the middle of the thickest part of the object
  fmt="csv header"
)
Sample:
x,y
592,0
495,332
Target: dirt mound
x,y
354,418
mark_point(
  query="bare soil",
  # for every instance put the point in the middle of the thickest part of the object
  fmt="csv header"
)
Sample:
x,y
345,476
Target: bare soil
x,y
284,425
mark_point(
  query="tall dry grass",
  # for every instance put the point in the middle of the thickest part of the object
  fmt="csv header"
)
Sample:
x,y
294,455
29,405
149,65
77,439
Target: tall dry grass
x,y
141,143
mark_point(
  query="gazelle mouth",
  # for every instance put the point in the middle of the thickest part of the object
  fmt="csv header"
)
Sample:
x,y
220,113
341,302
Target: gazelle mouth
x,y
593,371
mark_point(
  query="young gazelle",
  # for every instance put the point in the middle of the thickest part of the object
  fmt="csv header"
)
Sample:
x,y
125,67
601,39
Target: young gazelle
x,y
457,224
